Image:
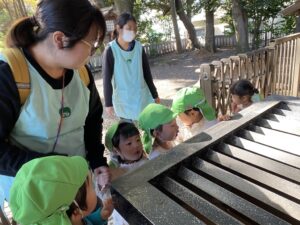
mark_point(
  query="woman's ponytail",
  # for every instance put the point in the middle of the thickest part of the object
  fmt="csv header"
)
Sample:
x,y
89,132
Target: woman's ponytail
x,y
22,33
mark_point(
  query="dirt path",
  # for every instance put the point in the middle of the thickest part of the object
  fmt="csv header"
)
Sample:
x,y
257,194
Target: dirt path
x,y
172,72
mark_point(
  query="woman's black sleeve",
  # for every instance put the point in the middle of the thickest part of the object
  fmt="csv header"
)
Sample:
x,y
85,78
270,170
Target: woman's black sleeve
x,y
93,128
107,73
148,76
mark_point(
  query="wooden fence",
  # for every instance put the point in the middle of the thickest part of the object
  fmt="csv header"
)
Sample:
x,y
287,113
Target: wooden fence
x,y
224,41
95,62
164,47
273,70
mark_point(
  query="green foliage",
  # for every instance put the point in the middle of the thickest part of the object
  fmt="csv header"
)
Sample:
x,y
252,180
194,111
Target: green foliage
x,y
210,5
108,2
283,27
261,18
6,19
146,32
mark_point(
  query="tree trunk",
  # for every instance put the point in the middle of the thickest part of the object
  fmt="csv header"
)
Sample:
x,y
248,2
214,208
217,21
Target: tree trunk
x,y
8,8
240,22
20,8
124,6
175,26
256,39
188,24
189,4
24,10
210,31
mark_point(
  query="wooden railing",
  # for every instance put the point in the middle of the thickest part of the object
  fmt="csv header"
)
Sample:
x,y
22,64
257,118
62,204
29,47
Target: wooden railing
x,y
273,70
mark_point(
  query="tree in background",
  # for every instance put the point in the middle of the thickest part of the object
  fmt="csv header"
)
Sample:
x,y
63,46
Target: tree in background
x,y
10,10
185,17
256,17
175,25
210,7
261,14
124,5
240,23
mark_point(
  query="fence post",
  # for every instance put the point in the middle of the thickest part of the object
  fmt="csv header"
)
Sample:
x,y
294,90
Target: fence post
x,y
296,70
206,83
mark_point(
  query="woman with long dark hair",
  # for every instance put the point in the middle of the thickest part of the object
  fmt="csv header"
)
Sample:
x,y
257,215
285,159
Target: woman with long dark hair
x,y
61,114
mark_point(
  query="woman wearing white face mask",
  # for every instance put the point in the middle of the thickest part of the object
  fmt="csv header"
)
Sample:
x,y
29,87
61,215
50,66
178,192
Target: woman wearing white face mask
x,y
127,80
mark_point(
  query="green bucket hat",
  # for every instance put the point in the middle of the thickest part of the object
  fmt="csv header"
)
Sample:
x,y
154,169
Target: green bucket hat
x,y
192,97
44,188
151,117
110,134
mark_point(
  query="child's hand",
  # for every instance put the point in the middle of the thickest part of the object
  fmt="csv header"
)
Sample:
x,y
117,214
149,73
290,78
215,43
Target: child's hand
x,y
224,117
234,108
103,176
107,209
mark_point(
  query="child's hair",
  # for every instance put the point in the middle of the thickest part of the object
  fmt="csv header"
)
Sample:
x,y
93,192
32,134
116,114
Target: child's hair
x,y
159,128
195,109
80,199
126,130
243,88
72,17
122,20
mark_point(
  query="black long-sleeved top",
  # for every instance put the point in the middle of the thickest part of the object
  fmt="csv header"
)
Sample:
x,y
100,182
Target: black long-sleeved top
x,y
108,70
12,157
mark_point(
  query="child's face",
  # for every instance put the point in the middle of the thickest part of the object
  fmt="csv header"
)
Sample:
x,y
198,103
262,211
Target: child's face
x,y
130,149
169,131
238,100
190,118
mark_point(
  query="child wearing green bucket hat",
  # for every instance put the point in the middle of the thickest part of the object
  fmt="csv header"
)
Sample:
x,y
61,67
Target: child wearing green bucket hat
x,y
194,113
55,190
158,122
123,141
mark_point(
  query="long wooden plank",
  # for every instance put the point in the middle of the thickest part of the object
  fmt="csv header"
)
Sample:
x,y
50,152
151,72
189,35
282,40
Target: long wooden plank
x,y
279,143
158,207
290,106
266,151
204,207
260,161
279,118
229,198
291,114
275,134
262,194
284,126
268,179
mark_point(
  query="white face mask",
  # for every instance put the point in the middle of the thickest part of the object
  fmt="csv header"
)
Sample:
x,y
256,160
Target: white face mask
x,y
128,35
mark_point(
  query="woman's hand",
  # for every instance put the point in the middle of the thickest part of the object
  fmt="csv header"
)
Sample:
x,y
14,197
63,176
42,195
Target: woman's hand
x,y
107,209
110,111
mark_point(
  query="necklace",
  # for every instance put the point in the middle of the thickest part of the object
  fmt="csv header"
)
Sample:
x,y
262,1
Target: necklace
x,y
61,113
